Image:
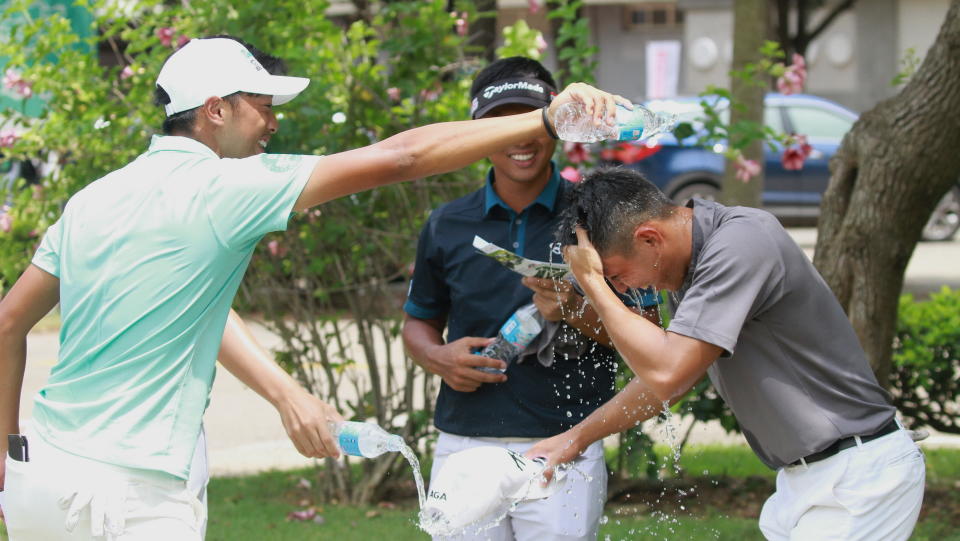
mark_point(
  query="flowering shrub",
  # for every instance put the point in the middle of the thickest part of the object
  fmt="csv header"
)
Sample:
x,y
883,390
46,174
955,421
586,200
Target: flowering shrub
x,y
735,137
793,77
795,152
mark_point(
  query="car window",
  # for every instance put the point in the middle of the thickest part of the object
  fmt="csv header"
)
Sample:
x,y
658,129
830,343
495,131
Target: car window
x,y
773,118
814,122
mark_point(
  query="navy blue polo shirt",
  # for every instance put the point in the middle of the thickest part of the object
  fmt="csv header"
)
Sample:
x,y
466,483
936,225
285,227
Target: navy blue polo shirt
x,y
476,295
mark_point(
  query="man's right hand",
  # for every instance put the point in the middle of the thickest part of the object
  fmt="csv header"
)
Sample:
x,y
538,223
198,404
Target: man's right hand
x,y
457,365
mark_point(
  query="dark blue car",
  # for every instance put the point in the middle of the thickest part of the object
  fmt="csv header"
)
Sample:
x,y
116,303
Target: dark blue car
x,y
686,171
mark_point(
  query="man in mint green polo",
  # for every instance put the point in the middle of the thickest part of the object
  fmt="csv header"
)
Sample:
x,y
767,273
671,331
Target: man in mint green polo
x,y
145,263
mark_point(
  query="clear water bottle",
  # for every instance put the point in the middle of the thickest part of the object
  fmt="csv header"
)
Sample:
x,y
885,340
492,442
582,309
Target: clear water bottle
x,y
514,336
573,124
365,439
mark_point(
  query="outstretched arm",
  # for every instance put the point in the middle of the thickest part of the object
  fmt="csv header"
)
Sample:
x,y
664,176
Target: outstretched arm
x,y
305,417
631,406
31,298
438,148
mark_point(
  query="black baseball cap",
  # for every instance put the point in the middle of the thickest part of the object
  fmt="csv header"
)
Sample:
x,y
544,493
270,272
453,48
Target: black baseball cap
x,y
527,91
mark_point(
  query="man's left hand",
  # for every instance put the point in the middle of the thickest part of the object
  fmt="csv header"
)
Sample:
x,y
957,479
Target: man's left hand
x,y
555,299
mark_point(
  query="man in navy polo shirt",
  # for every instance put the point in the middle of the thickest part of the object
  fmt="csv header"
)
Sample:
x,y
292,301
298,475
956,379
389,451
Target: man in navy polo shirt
x,y
472,295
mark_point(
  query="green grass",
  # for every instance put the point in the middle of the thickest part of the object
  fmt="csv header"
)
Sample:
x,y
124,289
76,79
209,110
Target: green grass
x,y
240,506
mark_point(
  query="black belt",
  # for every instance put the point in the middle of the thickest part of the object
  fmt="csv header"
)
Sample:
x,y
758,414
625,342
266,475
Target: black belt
x,y
846,443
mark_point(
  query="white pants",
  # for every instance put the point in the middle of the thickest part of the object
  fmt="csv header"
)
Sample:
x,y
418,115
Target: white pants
x,y
573,513
869,492
59,496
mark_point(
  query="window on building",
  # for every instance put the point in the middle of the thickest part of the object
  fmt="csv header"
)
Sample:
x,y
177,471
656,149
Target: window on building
x,y
652,15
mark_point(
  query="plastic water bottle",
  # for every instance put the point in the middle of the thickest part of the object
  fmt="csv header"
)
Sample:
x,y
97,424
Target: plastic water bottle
x,y
365,439
514,336
573,124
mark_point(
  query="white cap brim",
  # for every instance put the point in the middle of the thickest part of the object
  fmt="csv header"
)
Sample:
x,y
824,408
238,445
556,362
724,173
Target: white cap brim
x,y
281,87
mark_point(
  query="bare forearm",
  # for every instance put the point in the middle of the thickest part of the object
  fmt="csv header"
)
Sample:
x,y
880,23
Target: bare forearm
x,y
250,363
418,337
440,148
634,404
13,359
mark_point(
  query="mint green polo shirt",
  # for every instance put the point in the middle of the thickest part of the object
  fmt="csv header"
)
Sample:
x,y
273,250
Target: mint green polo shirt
x,y
149,259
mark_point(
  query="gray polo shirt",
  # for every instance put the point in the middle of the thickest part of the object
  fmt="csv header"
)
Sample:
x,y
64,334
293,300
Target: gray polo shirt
x,y
792,371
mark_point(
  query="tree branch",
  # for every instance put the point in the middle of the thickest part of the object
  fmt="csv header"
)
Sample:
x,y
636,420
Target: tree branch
x,y
840,8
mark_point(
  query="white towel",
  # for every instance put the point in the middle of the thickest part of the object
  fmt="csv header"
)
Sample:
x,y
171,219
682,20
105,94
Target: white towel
x,y
476,487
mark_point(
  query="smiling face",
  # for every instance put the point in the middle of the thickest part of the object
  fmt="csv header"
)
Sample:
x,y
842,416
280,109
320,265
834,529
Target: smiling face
x,y
249,121
528,162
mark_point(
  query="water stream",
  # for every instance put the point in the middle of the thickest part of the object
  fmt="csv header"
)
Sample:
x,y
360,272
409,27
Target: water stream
x,y
408,454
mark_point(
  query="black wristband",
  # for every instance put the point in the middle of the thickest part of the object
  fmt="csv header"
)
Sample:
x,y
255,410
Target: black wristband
x,y
546,123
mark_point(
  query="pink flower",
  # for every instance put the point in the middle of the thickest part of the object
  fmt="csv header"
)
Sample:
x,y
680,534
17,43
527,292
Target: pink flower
x,y
799,62
534,5
393,93
126,73
746,169
276,249
540,43
462,25
6,222
7,138
182,40
576,152
11,78
165,35
792,159
793,79
13,81
796,152
571,174
429,95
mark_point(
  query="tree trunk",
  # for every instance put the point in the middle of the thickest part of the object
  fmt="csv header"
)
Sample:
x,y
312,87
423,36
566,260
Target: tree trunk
x,y
484,29
893,166
749,33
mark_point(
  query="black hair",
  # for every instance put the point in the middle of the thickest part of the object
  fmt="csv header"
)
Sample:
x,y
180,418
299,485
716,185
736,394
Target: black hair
x,y
183,121
509,68
610,203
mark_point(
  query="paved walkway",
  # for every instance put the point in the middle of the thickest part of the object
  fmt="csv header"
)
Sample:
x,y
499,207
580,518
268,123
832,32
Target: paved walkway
x,y
245,434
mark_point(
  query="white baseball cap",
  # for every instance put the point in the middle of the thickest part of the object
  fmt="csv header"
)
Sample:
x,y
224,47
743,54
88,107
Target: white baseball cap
x,y
219,67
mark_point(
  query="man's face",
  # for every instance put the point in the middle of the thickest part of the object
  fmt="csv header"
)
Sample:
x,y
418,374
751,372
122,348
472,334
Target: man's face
x,y
640,267
249,123
526,162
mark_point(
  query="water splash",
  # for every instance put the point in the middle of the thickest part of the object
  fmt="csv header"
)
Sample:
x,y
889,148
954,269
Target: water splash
x,y
408,454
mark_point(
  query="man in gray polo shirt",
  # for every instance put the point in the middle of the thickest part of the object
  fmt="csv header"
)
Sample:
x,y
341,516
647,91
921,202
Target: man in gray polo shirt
x,y
755,316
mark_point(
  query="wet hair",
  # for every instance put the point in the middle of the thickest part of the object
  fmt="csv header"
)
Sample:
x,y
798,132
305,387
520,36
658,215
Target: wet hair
x,y
184,120
610,203
510,68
